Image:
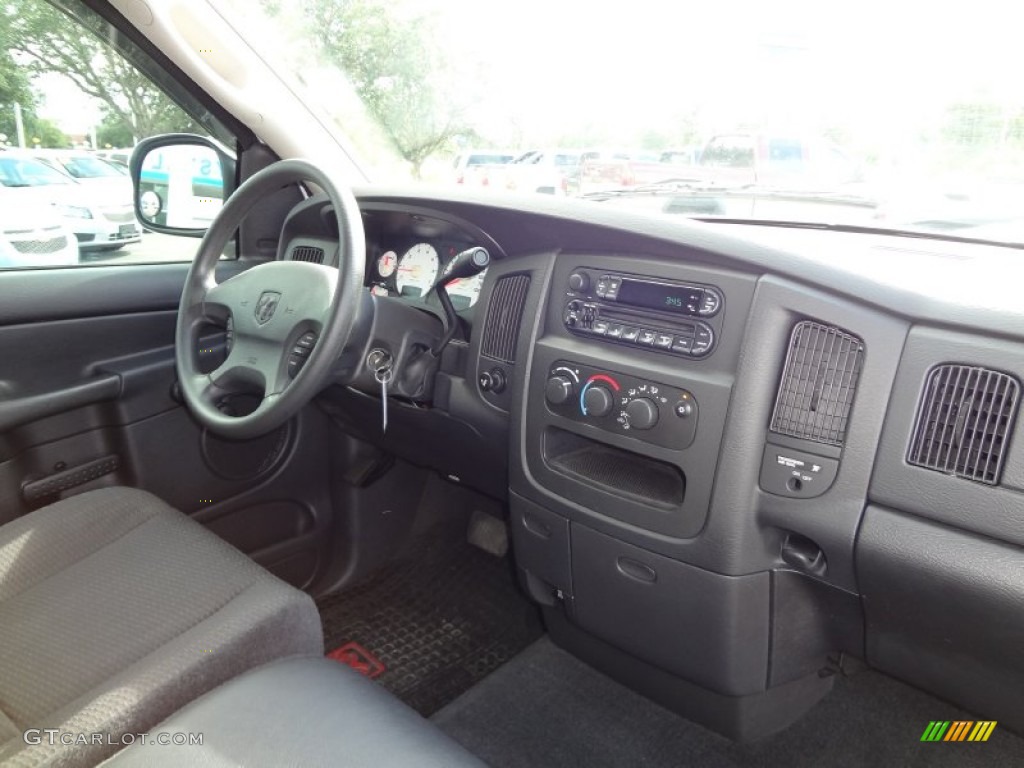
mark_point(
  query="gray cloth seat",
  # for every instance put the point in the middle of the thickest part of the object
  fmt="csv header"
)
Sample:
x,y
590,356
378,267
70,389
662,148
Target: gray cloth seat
x,y
117,610
308,712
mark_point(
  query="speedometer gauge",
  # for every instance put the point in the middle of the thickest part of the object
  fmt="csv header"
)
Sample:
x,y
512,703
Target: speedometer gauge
x,y
417,270
386,264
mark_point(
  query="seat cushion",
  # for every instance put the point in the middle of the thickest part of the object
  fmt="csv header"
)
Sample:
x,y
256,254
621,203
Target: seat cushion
x,y
313,711
116,610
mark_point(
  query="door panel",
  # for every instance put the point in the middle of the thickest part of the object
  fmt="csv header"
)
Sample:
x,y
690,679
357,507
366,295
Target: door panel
x,y
87,399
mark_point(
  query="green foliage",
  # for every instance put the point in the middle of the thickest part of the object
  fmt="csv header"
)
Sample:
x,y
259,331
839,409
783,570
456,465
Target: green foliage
x,y
48,41
14,82
16,88
49,135
397,67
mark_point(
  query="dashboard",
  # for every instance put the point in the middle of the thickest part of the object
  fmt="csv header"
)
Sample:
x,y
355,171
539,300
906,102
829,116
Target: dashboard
x,y
729,453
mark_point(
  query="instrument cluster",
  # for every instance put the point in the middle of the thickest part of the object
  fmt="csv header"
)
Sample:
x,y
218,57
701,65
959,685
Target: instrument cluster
x,y
410,271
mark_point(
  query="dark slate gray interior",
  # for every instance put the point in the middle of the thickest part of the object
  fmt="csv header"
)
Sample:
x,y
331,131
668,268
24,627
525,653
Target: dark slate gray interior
x,y
723,570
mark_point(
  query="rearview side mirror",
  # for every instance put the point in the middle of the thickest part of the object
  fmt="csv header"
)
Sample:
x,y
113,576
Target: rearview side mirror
x,y
181,182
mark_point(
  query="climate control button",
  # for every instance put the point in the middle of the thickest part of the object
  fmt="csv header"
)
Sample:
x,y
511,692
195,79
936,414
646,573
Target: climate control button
x,y
558,390
642,413
597,401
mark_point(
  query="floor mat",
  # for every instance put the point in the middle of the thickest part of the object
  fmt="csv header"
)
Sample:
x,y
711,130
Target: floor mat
x,y
547,708
439,621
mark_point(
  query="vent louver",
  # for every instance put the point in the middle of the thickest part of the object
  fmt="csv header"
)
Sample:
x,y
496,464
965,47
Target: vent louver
x,y
818,383
964,422
504,316
308,253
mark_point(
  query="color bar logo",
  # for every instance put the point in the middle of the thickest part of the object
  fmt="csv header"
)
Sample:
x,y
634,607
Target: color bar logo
x,y
958,730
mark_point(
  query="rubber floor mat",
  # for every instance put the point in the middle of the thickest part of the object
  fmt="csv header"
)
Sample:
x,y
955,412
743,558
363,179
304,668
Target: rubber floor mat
x,y
439,621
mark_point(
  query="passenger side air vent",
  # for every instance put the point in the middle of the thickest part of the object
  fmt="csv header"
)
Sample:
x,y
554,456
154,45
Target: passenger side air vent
x,y
504,316
818,383
308,253
964,421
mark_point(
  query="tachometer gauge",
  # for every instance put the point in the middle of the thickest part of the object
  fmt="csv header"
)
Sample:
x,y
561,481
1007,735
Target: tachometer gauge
x,y
386,264
417,270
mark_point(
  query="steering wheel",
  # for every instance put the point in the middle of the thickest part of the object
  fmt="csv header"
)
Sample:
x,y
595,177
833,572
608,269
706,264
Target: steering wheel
x,y
271,311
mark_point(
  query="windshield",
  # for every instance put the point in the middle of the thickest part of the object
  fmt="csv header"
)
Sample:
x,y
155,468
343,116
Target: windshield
x,y
18,172
85,167
896,115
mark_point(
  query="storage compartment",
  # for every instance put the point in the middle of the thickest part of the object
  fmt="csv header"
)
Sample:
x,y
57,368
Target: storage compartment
x,y
943,611
709,629
540,544
623,473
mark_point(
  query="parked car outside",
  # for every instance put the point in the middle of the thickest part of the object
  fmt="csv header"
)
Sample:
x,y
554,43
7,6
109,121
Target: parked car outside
x,y
98,214
548,171
87,169
474,168
779,161
33,234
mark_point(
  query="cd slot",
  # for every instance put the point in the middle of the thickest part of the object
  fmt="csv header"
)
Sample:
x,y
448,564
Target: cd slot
x,y
680,337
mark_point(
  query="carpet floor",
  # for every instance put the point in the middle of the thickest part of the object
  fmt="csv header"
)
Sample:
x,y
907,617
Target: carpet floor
x,y
440,620
547,708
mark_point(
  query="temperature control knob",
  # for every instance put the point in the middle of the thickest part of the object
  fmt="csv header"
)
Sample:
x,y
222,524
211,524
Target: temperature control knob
x,y
597,401
642,413
558,390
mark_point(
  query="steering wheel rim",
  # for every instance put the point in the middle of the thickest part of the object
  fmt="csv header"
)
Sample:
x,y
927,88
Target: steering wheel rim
x,y
271,306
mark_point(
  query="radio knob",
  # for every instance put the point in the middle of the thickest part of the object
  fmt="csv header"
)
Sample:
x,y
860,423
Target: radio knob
x,y
642,413
597,401
558,390
579,282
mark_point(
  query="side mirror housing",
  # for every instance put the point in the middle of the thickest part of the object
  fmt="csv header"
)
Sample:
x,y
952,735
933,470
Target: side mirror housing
x,y
181,181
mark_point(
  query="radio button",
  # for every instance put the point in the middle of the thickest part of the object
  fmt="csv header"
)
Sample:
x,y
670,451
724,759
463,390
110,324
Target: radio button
x,y
646,337
614,330
600,327
602,286
579,282
613,288
663,340
703,334
682,345
710,304
700,348
630,333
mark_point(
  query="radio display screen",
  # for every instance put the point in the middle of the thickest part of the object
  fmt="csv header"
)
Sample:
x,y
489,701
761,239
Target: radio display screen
x,y
669,298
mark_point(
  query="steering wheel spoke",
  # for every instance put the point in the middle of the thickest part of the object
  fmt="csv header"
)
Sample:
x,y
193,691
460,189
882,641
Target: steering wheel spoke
x,y
253,364
220,300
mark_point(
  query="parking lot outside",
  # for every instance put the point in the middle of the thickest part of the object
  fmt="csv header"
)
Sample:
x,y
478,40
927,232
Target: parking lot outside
x,y
154,247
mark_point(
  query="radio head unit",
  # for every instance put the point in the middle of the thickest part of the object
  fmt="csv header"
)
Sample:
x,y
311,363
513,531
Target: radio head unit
x,y
664,315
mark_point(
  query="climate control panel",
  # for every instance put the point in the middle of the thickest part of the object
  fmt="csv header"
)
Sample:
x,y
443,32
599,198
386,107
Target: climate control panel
x,y
621,403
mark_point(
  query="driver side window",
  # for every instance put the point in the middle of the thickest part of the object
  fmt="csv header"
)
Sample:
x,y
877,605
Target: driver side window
x,y
74,101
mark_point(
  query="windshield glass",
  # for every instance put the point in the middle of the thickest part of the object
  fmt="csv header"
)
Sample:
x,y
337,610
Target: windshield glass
x,y
896,115
19,172
85,167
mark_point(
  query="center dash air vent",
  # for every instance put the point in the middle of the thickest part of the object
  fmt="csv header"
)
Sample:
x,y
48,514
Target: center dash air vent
x,y
818,383
504,316
964,421
308,253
